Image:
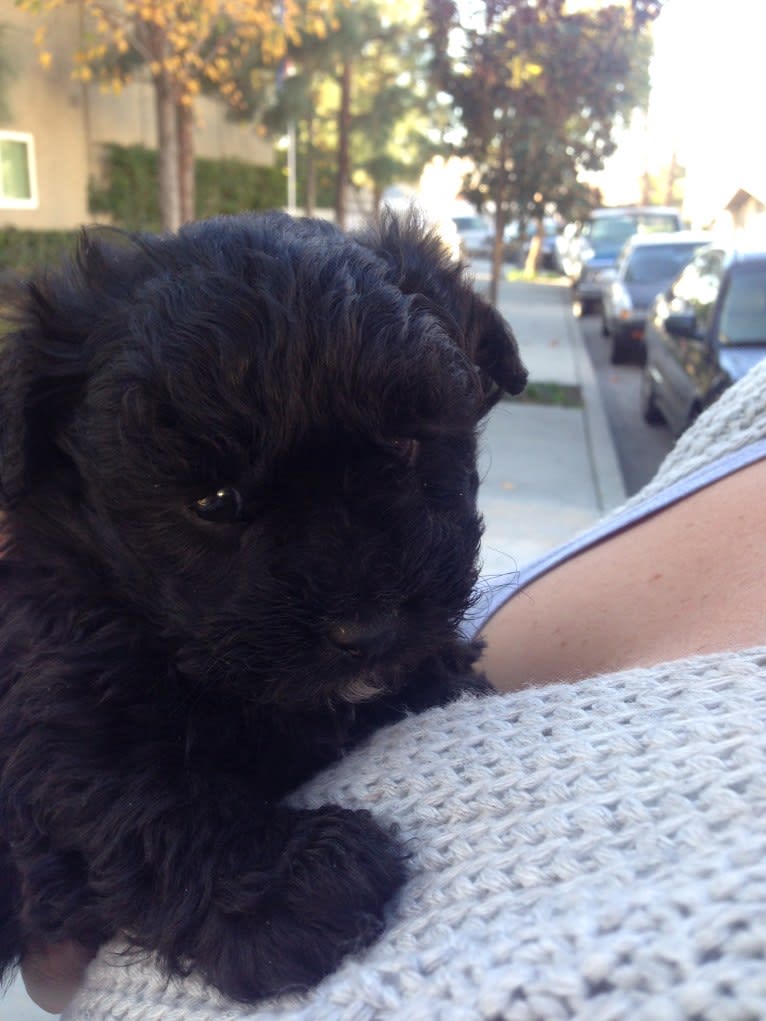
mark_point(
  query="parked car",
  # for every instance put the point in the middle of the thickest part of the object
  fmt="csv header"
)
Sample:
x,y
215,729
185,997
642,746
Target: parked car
x,y
592,252
647,264
703,334
475,234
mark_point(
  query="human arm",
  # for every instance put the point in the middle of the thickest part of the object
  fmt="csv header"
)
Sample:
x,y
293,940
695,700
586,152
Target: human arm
x,y
685,581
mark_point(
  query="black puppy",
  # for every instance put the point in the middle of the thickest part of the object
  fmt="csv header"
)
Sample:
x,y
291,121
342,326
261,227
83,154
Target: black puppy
x,y
240,531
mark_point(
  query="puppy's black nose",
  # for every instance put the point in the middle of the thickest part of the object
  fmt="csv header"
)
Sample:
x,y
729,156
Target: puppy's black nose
x,y
371,634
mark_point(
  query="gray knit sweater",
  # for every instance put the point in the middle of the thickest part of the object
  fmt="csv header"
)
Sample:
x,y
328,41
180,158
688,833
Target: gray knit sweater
x,y
593,851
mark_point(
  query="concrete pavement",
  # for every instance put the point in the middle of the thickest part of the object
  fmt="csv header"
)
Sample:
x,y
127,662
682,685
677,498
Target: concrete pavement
x,y
548,471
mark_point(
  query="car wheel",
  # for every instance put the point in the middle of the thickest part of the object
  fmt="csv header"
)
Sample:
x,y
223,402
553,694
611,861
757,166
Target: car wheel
x,y
619,352
649,410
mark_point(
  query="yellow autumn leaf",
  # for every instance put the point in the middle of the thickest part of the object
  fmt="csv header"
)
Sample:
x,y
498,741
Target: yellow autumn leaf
x,y
46,59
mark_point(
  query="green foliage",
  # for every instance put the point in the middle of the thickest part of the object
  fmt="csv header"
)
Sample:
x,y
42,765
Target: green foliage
x,y
541,93
324,170
232,186
128,191
22,251
129,197
392,122
562,395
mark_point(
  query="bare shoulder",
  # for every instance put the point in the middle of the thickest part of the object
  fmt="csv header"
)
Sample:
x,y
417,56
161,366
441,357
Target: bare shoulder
x,y
688,580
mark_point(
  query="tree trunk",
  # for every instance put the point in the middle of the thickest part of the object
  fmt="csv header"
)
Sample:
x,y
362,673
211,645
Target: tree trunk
x,y
534,254
167,153
185,118
672,177
501,211
497,252
344,130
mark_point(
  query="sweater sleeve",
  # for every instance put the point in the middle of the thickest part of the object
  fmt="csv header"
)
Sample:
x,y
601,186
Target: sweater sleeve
x,y
583,851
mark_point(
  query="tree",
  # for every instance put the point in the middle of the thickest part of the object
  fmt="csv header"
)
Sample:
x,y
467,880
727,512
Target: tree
x,y
540,93
357,24
395,120
185,44
361,97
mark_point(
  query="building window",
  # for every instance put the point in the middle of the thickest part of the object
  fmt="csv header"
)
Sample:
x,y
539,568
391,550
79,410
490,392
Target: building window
x,y
18,175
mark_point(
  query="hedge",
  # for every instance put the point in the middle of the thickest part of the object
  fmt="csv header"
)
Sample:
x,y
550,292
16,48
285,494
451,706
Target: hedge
x,y
129,192
128,195
23,250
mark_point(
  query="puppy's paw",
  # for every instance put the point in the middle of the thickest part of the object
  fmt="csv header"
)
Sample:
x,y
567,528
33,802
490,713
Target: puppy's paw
x,y
325,898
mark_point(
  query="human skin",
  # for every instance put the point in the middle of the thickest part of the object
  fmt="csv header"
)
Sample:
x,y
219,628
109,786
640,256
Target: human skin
x,y
687,581
53,974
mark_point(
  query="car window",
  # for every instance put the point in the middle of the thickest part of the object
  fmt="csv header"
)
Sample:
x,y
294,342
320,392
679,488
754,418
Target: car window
x,y
614,230
657,263
469,223
611,230
697,287
653,223
743,309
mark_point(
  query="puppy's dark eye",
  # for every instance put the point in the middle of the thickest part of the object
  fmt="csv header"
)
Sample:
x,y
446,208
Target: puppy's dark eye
x,y
406,449
223,506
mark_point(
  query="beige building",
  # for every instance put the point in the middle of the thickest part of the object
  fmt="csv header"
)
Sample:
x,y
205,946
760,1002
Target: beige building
x,y
54,128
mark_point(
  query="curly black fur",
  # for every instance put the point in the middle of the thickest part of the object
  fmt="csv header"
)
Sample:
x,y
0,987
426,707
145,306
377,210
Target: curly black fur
x,y
237,473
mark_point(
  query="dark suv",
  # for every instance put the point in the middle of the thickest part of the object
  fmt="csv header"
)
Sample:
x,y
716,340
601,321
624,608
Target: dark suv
x,y
593,252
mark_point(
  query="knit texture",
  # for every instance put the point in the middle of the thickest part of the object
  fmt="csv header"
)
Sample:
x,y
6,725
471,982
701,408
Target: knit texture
x,y
591,851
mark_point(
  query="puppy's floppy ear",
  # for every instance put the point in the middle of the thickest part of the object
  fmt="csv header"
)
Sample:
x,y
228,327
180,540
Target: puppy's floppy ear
x,y
43,365
418,263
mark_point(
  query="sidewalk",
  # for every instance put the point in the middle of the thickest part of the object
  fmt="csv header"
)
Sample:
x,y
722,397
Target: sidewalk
x,y
548,471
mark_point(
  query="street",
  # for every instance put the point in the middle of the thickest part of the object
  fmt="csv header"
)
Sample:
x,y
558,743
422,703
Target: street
x,y
640,448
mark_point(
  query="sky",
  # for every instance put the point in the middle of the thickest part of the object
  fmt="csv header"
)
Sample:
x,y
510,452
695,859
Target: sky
x,y
708,86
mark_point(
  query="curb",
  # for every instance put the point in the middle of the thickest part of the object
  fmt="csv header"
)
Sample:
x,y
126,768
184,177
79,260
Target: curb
x,y
607,474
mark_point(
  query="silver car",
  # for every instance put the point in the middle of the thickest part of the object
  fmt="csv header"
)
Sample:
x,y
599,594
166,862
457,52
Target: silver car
x,y
706,331
592,252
